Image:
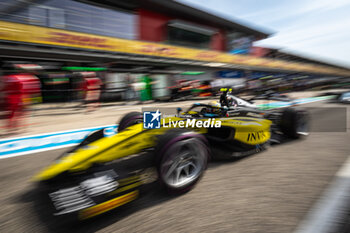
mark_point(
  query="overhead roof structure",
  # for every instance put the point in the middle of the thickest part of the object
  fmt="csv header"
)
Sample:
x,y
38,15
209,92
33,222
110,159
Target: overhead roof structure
x,y
171,7
21,40
59,42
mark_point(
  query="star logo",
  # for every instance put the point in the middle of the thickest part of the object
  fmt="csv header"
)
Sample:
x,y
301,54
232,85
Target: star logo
x,y
151,120
155,115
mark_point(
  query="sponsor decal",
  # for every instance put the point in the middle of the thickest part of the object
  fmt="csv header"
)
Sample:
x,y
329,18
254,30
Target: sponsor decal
x,y
254,136
157,49
60,37
108,205
210,55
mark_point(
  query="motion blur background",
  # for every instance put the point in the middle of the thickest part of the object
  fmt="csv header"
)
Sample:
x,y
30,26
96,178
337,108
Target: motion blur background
x,y
60,60
68,51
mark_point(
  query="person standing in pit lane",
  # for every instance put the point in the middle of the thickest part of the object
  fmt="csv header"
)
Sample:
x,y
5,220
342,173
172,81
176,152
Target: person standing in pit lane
x,y
92,88
13,102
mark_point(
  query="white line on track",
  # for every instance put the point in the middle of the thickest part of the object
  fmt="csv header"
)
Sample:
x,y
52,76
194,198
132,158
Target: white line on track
x,y
36,151
329,209
57,132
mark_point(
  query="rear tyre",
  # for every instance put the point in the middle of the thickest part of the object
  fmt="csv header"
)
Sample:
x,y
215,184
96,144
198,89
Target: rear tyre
x,y
130,119
181,158
295,123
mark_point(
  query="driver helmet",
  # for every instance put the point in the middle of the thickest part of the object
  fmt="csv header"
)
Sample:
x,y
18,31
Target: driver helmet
x,y
215,104
215,107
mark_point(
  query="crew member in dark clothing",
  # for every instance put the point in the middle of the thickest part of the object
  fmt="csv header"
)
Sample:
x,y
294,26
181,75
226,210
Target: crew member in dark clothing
x,y
227,101
223,99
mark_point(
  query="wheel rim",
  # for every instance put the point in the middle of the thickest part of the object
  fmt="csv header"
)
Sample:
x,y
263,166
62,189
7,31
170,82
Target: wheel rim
x,y
185,163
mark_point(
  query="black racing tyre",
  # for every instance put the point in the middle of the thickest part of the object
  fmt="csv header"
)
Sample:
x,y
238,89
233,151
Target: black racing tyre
x,y
181,159
130,119
295,123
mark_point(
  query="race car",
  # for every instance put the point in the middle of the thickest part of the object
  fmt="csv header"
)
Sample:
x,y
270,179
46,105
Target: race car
x,y
103,173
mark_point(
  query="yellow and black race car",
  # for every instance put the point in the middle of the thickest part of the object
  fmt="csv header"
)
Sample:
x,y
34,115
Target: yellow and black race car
x,y
103,173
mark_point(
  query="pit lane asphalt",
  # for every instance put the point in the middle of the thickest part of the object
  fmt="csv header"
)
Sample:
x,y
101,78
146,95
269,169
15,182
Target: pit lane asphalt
x,y
267,192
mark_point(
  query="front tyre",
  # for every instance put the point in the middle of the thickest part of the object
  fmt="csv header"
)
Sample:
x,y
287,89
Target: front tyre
x,y
130,119
182,158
